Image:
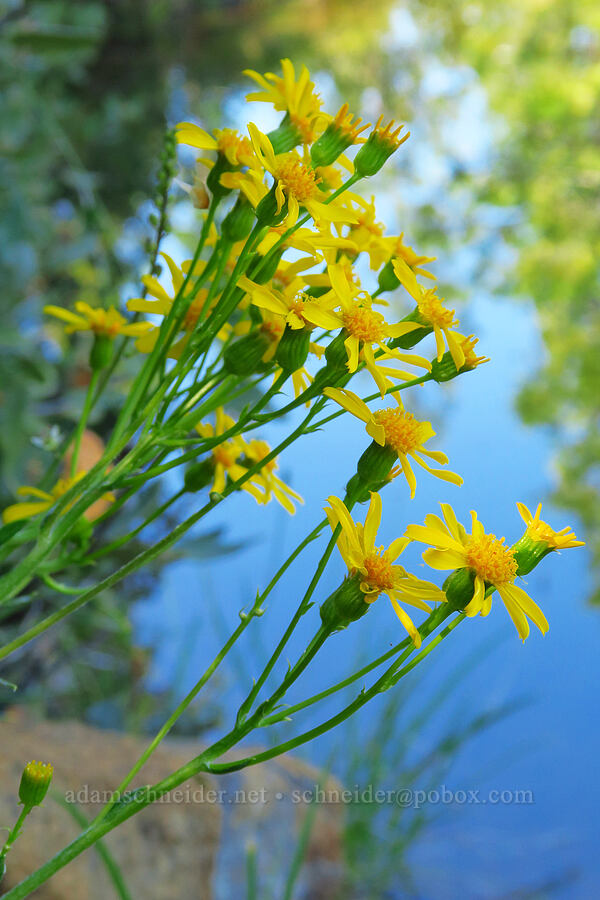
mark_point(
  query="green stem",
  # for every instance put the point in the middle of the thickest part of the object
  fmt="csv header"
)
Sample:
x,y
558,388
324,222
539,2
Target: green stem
x,y
178,712
429,625
151,553
14,834
302,608
114,545
390,677
87,407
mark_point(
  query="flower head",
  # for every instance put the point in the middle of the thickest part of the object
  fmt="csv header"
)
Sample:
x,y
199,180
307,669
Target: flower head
x,y
374,566
227,142
257,451
297,308
160,303
365,331
295,183
107,323
42,500
380,145
538,530
295,96
35,782
399,430
432,313
234,456
491,562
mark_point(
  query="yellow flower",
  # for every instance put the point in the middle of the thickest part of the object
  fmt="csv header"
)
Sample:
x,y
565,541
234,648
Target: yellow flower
x,y
235,147
296,183
365,328
273,486
492,563
366,232
307,241
538,530
433,313
226,455
296,307
162,303
43,501
398,249
375,565
399,430
295,97
102,322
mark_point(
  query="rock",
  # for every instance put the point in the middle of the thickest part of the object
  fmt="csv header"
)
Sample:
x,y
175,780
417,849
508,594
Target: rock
x,y
169,850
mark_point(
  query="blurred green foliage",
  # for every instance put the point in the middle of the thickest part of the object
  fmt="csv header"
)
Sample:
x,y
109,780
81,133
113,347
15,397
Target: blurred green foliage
x,y
539,61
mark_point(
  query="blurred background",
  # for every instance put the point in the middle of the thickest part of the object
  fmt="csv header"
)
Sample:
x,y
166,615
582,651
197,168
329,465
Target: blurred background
x,y
501,182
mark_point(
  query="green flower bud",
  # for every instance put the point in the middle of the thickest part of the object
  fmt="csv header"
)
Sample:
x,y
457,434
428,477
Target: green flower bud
x,y
266,211
459,587
292,349
238,222
199,475
379,147
285,137
101,352
375,464
35,782
528,553
242,357
347,604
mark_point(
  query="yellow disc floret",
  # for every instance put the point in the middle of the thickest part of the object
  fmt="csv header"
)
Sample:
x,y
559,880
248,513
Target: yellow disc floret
x,y
432,309
234,146
402,431
491,559
365,324
297,179
379,575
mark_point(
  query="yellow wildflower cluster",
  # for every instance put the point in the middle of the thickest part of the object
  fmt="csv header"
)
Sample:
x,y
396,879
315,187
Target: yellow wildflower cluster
x,y
273,294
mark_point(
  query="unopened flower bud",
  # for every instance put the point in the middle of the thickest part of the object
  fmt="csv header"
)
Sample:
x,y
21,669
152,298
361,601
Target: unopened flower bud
x,y
238,222
380,145
35,782
199,475
242,357
292,349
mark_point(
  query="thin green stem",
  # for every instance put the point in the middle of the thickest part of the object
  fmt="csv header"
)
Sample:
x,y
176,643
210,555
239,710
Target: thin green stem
x,y
87,407
178,711
114,545
390,677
